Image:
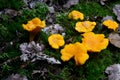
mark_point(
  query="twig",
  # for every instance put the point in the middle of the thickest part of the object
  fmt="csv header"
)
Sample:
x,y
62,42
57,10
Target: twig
x,y
10,60
13,59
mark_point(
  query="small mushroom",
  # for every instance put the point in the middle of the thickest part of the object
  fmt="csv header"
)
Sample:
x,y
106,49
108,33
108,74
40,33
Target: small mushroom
x,y
76,50
94,42
34,26
76,15
111,24
85,26
56,40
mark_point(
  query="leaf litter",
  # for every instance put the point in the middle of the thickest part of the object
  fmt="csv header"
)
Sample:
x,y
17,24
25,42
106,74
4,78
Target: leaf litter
x,y
35,51
116,10
102,2
113,72
54,29
114,39
16,77
70,3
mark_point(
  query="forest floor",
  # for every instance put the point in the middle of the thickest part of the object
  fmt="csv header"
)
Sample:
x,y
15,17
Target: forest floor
x,y
14,13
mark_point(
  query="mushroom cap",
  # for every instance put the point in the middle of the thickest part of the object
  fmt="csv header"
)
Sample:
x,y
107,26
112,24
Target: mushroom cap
x,y
56,40
76,50
76,15
67,52
94,42
85,26
111,24
34,25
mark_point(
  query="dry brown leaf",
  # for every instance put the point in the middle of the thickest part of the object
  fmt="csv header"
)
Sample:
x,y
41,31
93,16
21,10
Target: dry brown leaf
x,y
71,3
12,13
116,10
54,29
114,39
33,3
118,29
113,72
35,51
39,71
102,2
16,77
51,9
106,18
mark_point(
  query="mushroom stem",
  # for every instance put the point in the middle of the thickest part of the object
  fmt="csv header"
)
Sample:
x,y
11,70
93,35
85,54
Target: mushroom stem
x,y
32,36
33,33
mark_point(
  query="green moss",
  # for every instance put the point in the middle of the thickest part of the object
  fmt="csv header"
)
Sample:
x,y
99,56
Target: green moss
x,y
14,4
40,11
97,64
91,9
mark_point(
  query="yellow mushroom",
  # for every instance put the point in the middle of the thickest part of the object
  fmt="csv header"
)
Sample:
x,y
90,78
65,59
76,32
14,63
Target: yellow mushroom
x,y
34,26
111,24
77,51
56,40
76,15
94,42
85,26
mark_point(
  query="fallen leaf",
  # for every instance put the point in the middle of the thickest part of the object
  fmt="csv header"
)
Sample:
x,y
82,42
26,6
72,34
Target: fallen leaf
x,y
16,77
32,3
114,39
106,18
113,72
53,29
102,2
116,10
50,18
12,13
118,29
51,60
42,73
35,51
51,9
71,3
39,71
24,57
30,50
